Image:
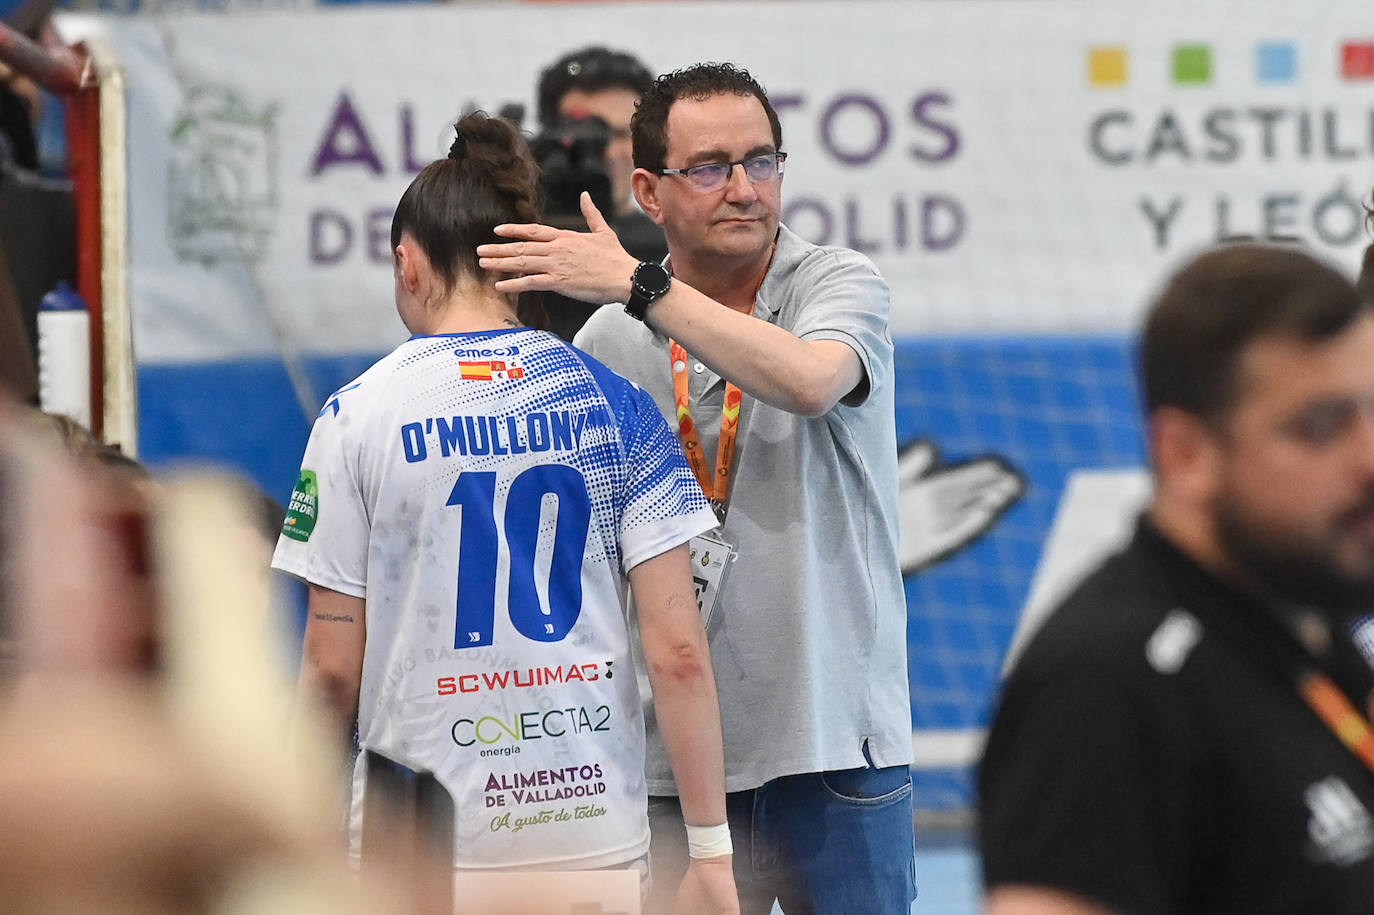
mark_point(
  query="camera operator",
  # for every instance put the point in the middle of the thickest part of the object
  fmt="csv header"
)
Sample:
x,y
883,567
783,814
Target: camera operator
x,y
585,101
597,82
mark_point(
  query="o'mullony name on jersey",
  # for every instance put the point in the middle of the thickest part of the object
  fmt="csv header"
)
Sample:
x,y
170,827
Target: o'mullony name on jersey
x,y
536,431
523,678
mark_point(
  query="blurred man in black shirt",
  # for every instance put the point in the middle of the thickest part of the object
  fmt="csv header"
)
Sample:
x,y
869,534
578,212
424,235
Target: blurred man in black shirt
x,y
1189,730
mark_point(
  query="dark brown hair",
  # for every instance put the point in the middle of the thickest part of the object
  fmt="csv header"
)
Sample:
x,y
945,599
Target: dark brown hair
x,y
649,126
1221,302
452,206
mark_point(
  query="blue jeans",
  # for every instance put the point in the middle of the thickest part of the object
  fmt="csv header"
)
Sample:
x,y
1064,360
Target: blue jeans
x,y
830,843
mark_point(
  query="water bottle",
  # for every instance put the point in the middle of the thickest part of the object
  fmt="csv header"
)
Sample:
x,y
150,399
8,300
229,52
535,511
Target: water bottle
x,y
64,354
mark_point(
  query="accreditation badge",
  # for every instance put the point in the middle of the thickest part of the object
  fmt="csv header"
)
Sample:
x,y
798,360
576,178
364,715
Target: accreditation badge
x,y
711,558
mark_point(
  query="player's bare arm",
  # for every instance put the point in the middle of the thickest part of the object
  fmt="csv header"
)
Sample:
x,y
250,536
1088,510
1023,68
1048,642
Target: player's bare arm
x,y
679,665
767,362
332,655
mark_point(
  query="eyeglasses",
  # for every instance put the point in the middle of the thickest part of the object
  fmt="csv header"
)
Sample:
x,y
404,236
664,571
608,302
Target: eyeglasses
x,y
715,175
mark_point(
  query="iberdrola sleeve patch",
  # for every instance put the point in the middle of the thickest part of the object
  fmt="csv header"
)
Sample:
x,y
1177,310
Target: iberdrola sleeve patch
x,y
304,508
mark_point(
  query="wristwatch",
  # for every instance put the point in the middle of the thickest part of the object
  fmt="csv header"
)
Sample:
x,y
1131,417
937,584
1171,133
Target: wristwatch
x,y
647,284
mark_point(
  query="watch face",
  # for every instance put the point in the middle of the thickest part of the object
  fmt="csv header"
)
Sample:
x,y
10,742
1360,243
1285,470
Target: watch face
x,y
651,279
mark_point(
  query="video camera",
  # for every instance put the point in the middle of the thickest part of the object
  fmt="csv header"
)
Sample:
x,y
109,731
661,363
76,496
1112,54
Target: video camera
x,y
572,158
571,154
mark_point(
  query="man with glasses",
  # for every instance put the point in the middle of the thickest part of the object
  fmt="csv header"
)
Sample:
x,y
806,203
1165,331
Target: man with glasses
x,y
773,358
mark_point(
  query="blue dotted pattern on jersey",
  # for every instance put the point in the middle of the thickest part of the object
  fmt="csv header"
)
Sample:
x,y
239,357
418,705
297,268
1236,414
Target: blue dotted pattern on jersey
x,y
661,483
601,456
633,466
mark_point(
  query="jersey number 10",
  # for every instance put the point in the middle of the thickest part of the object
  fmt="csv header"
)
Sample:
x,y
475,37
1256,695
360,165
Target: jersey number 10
x,y
475,493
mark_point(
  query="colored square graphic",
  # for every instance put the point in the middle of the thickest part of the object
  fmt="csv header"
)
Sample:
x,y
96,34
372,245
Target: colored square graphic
x,y
1192,64
1107,66
1357,60
1276,61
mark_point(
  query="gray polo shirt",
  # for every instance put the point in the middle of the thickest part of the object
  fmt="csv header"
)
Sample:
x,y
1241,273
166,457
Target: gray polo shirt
x,y
808,638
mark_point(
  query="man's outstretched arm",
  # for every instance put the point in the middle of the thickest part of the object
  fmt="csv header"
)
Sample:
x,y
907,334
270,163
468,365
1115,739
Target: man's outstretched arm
x,y
800,376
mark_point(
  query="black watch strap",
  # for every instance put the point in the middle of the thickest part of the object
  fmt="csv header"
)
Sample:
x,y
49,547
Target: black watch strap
x,y
648,283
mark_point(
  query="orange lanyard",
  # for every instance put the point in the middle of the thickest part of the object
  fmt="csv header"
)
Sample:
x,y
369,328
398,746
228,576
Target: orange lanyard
x,y
1340,716
717,490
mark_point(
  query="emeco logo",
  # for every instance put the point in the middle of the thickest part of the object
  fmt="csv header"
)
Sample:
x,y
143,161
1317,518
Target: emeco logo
x,y
487,353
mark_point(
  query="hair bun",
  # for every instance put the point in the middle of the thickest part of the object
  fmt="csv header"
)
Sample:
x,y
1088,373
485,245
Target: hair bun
x,y
459,148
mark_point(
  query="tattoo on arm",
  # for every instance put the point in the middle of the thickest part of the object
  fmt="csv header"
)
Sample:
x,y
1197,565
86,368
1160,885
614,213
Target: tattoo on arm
x,y
676,602
333,618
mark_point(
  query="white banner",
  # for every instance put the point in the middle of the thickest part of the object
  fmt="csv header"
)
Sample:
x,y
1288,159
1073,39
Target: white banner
x,y
1010,166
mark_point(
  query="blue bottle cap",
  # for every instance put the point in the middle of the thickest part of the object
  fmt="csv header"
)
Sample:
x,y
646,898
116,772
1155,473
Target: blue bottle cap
x,y
63,298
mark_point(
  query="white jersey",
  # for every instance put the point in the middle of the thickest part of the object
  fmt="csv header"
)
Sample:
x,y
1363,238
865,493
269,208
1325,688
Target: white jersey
x,y
484,492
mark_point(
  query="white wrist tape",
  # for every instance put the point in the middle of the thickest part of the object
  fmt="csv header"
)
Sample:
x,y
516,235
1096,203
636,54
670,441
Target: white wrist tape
x,y
709,841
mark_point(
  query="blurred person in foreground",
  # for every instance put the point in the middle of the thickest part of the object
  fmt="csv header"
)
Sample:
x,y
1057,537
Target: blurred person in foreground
x,y
773,358
1189,730
123,636
465,512
106,804
127,637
